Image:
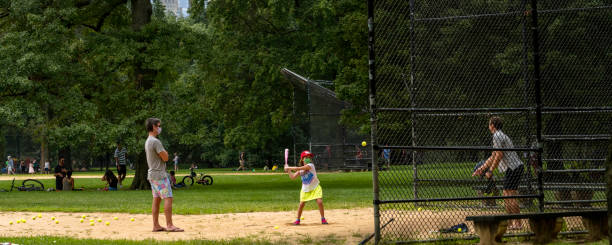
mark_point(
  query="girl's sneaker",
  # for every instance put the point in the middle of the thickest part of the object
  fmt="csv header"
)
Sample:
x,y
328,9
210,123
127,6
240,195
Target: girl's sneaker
x,y
297,222
324,221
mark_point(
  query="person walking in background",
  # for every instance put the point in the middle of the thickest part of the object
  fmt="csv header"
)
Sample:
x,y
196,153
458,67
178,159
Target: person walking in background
x,y
10,168
242,161
161,188
121,163
23,166
509,163
47,167
386,155
36,166
31,168
176,161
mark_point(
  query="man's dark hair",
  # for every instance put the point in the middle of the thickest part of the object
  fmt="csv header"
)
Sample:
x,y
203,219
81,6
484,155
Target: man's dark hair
x,y
497,123
171,172
150,122
69,174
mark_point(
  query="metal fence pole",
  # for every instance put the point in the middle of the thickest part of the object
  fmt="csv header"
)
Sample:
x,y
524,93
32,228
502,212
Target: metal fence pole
x,y
373,142
412,102
538,96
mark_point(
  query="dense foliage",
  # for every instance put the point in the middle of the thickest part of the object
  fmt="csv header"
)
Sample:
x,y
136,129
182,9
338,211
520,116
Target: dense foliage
x,y
83,74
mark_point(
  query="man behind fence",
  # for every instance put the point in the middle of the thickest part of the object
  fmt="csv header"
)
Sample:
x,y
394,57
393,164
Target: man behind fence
x,y
508,163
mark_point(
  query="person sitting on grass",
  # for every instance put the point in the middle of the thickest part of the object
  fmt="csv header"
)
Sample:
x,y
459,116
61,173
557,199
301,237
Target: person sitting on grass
x,y
68,182
173,181
111,180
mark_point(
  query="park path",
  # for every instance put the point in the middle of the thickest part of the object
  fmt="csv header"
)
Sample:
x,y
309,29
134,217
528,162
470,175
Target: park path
x,y
39,176
350,225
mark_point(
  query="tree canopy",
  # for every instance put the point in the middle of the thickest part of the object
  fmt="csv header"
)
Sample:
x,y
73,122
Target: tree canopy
x,y
84,74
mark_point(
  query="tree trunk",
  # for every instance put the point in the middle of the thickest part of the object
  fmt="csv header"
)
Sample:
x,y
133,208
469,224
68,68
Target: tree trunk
x,y
141,13
144,79
140,181
44,151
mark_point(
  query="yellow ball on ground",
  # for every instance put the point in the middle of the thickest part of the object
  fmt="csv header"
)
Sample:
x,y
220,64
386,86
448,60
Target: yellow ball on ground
x,y
10,222
18,221
115,218
81,220
57,221
34,218
420,209
132,219
459,229
364,143
91,220
99,220
276,227
107,223
83,216
39,215
52,218
23,221
92,223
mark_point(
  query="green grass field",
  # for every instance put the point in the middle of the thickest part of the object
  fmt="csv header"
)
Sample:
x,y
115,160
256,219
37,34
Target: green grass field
x,y
229,193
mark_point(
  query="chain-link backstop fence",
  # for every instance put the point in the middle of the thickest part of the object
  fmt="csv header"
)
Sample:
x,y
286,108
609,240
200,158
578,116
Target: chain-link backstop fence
x,y
318,129
440,70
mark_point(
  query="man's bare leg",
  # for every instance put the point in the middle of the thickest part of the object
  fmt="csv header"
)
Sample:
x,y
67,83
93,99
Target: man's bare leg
x,y
168,214
155,213
512,207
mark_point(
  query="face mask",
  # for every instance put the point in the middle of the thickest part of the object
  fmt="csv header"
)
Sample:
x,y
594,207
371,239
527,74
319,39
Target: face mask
x,y
159,130
307,160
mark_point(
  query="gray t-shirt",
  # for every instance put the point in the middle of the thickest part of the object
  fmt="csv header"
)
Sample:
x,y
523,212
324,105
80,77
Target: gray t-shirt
x,y
510,159
157,167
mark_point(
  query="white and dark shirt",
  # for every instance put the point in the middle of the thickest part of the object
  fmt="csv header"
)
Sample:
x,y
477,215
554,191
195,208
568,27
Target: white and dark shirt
x,y
121,155
510,160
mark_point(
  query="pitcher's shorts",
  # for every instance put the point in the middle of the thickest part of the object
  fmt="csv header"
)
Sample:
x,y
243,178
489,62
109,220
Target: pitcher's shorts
x,y
311,195
161,188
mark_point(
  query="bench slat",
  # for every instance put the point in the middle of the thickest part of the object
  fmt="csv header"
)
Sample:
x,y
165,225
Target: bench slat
x,y
536,215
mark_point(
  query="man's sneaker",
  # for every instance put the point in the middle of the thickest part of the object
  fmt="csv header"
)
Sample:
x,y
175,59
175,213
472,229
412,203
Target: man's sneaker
x,y
297,222
324,221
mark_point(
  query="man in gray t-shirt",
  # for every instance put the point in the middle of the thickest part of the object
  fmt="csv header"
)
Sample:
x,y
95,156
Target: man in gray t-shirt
x,y
509,163
157,157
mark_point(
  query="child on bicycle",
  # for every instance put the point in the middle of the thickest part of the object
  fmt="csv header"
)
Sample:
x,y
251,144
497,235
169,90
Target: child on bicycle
x,y
311,189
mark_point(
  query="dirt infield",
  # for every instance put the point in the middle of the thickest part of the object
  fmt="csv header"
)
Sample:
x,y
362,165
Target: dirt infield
x,y
350,225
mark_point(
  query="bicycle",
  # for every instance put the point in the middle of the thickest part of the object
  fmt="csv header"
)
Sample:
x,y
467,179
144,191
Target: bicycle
x,y
200,179
26,185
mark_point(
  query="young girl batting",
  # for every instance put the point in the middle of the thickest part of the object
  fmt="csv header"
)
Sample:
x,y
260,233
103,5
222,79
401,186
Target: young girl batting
x,y
311,189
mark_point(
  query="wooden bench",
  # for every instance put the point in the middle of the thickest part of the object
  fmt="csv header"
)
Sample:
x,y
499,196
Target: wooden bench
x,y
545,226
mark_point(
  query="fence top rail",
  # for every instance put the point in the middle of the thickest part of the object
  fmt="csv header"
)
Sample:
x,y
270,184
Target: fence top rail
x,y
455,148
